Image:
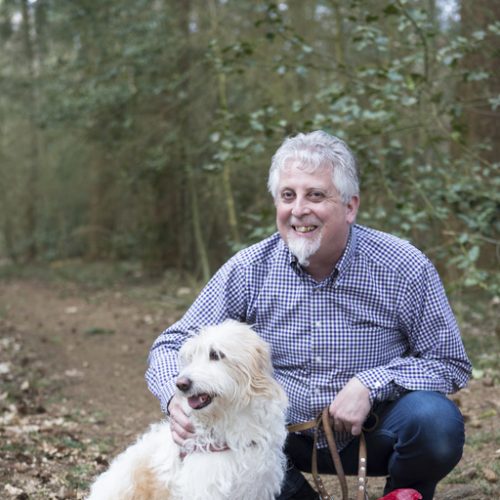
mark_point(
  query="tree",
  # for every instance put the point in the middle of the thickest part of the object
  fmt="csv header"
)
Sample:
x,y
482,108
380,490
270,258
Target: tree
x,y
155,124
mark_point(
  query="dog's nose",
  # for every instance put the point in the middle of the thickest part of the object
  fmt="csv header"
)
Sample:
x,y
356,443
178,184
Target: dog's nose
x,y
183,384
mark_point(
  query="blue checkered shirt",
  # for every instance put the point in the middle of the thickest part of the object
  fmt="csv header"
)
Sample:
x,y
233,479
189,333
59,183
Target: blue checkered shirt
x,y
382,316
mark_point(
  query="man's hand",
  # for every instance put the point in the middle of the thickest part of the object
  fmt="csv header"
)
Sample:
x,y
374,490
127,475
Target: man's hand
x,y
180,425
351,407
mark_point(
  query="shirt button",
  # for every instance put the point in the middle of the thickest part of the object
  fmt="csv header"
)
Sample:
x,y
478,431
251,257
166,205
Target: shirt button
x,y
316,391
377,385
317,324
318,359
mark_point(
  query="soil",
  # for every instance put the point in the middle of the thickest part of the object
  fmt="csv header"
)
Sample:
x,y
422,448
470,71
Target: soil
x,y
72,394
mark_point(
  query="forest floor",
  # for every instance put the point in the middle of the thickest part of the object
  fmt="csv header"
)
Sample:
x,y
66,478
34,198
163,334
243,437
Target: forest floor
x,y
72,390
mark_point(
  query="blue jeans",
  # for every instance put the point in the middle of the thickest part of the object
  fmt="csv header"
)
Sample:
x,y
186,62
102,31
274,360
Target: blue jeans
x,y
417,442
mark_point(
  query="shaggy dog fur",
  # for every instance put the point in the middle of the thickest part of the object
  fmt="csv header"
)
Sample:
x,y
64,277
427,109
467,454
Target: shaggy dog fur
x,y
236,406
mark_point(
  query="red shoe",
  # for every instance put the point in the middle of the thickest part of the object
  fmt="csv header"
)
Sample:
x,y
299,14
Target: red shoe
x,y
402,494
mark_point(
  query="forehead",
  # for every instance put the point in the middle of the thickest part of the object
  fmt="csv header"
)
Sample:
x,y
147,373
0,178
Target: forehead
x,y
296,173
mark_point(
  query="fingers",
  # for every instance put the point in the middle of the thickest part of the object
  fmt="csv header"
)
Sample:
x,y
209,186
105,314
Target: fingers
x,y
180,433
345,420
340,425
350,408
356,429
180,425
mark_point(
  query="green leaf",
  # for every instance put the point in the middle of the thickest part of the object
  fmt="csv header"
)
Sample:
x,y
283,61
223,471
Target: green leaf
x,y
394,76
408,100
495,102
391,10
495,28
99,331
479,35
474,253
476,76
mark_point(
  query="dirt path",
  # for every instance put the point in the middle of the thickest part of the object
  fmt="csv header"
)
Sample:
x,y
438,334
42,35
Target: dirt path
x,y
72,363
93,345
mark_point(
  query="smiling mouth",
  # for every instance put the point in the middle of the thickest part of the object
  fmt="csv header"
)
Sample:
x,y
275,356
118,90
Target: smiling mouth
x,y
199,401
304,229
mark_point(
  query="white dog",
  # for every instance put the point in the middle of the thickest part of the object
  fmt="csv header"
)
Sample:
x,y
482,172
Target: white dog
x,y
237,409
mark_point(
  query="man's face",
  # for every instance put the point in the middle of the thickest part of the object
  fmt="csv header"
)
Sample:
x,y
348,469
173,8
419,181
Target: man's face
x,y
311,217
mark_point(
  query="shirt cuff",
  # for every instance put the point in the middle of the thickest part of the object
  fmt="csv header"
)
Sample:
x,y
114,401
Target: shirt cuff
x,y
166,394
380,383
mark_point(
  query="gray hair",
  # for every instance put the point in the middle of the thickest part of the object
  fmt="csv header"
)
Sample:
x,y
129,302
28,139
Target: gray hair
x,y
314,150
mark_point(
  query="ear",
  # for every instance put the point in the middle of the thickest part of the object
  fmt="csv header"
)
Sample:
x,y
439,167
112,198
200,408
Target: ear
x,y
262,383
352,207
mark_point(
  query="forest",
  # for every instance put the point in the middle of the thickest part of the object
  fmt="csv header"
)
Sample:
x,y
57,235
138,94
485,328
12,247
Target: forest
x,y
143,130
135,142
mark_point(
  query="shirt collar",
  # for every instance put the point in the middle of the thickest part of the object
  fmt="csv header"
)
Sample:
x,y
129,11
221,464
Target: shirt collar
x,y
348,255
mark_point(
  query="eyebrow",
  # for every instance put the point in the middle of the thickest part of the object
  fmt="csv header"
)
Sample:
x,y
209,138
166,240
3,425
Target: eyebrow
x,y
307,188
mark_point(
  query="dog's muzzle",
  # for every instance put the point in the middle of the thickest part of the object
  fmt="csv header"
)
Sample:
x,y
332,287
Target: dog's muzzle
x,y
195,401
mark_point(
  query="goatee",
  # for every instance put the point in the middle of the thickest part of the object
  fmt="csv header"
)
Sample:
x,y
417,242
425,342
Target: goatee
x,y
303,248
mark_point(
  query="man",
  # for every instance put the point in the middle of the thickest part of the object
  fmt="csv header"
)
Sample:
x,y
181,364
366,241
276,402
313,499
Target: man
x,y
357,320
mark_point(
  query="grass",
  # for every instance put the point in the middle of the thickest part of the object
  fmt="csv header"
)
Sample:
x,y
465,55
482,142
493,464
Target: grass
x,y
94,275
96,330
480,438
78,475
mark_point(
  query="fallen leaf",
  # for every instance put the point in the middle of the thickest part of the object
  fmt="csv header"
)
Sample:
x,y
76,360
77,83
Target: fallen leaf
x,y
488,414
459,492
12,490
490,475
468,474
475,423
4,368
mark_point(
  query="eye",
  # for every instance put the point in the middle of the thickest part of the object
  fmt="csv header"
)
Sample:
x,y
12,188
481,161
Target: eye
x,y
216,355
316,195
287,195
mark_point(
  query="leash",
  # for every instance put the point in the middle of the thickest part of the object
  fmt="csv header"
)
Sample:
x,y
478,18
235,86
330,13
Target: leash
x,y
323,421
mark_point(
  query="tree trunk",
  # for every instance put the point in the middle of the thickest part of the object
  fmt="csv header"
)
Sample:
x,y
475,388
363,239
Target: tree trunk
x,y
31,198
480,120
223,105
187,126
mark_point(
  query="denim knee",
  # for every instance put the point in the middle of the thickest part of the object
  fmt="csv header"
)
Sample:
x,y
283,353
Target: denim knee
x,y
433,433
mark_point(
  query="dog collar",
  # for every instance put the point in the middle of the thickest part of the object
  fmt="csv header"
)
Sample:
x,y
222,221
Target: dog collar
x,y
212,449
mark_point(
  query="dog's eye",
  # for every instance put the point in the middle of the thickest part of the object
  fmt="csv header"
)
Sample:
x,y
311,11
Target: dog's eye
x,y
216,355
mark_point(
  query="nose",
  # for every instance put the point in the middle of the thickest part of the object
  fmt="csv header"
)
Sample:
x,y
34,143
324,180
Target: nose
x,y
183,384
300,207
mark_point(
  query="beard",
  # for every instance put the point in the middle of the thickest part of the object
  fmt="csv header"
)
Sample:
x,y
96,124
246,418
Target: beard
x,y
303,248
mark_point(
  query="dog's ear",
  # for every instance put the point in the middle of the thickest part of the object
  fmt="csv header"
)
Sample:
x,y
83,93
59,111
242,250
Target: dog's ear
x,y
251,359
261,381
